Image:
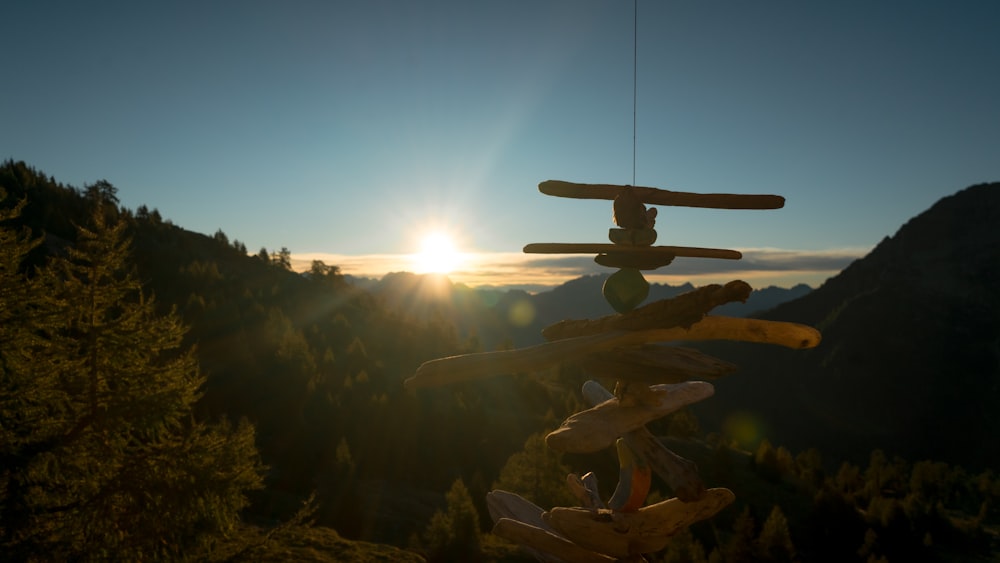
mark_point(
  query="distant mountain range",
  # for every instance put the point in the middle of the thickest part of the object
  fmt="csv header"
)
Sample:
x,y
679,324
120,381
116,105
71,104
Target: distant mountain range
x,y
910,357
909,362
516,317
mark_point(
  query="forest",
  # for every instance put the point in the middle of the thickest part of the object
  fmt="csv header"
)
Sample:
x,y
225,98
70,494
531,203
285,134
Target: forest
x,y
169,395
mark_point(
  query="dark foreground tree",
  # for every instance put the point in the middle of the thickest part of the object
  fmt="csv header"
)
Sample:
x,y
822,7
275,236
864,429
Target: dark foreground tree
x,y
101,457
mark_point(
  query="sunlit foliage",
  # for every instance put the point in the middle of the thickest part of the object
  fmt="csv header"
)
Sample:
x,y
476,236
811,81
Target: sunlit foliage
x,y
101,456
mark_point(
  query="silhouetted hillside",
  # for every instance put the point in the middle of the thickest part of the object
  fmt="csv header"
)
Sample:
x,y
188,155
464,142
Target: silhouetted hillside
x,y
497,318
910,358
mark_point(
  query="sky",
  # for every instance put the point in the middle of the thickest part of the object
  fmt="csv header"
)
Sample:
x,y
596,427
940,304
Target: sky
x,y
347,131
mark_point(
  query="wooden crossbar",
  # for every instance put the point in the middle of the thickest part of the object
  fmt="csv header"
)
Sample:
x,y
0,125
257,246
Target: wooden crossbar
x,y
592,248
657,196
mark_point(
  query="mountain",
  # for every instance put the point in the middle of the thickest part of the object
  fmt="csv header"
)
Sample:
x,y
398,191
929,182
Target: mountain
x,y
910,357
495,317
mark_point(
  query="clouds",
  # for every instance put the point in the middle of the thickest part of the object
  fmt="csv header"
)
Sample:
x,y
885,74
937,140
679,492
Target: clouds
x,y
761,266
772,260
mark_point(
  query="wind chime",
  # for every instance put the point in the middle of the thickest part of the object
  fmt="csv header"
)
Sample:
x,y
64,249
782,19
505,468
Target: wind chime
x,y
636,347
653,381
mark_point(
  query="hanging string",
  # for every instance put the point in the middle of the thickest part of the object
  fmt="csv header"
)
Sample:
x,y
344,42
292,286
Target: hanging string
x,y
635,73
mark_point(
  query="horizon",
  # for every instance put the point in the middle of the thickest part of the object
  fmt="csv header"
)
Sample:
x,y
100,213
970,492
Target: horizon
x,y
760,268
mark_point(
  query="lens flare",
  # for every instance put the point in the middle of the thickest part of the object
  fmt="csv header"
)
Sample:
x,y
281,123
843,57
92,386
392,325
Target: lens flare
x,y
521,313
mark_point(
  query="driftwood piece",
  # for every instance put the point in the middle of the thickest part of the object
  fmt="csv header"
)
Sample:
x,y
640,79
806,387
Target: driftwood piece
x,y
467,367
652,363
628,534
544,545
680,474
598,427
585,490
505,504
645,251
789,335
682,310
633,479
657,196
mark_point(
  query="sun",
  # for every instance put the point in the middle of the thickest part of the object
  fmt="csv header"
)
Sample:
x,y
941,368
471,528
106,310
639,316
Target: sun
x,y
437,255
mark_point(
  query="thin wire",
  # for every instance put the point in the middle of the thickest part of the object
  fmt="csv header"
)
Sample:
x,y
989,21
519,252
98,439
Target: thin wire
x,y
635,73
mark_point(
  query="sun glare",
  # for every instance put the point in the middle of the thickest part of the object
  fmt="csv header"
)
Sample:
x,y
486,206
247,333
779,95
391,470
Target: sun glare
x,y
437,255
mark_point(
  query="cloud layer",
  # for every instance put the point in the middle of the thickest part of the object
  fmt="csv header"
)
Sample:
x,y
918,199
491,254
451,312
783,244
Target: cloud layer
x,y
761,267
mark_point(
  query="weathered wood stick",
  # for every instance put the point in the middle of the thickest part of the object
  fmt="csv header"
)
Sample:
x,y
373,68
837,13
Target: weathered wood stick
x,y
598,427
585,490
633,533
505,504
646,251
682,310
680,474
545,542
468,367
651,364
657,196
789,335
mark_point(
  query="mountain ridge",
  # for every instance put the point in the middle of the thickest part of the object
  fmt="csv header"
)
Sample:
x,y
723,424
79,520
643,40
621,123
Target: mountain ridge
x,y
910,358
516,317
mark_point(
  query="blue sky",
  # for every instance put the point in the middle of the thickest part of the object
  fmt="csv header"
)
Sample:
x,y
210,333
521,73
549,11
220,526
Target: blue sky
x,y
346,130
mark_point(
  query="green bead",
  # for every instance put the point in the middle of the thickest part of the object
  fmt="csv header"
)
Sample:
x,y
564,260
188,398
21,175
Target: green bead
x,y
626,289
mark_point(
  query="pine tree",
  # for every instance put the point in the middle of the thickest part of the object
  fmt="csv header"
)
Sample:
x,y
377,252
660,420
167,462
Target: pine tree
x,y
538,474
775,541
454,535
739,547
112,463
683,424
17,293
336,486
684,548
766,461
870,544
26,388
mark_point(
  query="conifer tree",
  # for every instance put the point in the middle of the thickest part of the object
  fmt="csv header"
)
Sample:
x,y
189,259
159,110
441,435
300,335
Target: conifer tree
x,y
17,293
775,541
684,548
739,547
766,461
454,535
870,544
26,392
537,473
111,463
